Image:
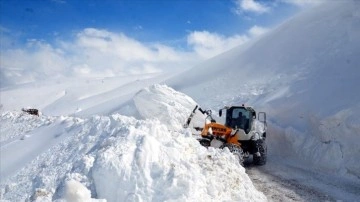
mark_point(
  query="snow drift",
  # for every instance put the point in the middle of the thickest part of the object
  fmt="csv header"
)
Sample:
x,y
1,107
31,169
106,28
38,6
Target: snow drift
x,y
304,73
119,158
77,96
167,105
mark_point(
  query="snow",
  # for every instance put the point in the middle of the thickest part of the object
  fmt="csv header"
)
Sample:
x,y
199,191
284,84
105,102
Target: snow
x,y
119,158
80,96
304,74
168,106
121,138
77,192
157,168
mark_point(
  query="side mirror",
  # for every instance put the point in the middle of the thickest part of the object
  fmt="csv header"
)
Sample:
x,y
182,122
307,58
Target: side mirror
x,y
220,112
262,117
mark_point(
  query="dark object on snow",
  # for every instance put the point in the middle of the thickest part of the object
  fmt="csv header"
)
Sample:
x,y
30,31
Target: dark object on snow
x,y
31,111
190,117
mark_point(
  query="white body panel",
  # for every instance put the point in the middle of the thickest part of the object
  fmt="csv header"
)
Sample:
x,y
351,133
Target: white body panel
x,y
257,129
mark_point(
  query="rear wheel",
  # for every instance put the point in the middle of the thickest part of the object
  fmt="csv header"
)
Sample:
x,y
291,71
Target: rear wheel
x,y
236,150
262,148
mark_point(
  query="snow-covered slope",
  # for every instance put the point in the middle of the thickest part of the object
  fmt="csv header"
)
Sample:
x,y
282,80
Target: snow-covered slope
x,y
118,158
80,96
304,74
101,96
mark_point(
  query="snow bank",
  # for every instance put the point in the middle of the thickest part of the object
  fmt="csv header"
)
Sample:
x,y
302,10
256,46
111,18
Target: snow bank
x,y
303,74
151,163
80,96
120,158
12,124
332,143
170,107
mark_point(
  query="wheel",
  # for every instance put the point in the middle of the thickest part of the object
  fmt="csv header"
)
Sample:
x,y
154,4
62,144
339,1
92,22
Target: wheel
x,y
205,142
236,150
262,148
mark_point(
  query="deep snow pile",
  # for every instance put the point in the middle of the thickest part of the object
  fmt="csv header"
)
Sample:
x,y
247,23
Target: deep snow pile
x,y
120,158
168,106
304,74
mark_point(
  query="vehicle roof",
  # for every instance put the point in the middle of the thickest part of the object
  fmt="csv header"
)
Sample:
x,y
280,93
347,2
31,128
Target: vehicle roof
x,y
245,107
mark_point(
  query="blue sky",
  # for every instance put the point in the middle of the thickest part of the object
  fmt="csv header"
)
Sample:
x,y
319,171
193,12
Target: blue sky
x,y
145,20
160,33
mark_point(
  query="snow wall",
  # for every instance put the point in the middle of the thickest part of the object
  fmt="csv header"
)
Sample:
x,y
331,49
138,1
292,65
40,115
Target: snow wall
x,y
304,74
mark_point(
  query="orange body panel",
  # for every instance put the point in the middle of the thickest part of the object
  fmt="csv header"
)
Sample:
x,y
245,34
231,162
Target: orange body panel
x,y
220,131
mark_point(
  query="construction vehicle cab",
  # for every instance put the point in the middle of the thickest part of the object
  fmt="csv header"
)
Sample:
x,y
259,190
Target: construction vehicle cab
x,y
241,117
251,129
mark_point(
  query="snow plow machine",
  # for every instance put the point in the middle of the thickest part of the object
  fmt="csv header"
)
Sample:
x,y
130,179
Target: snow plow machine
x,y
243,133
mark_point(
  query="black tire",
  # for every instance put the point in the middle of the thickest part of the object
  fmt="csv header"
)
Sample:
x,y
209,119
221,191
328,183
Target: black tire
x,y
260,160
205,142
236,150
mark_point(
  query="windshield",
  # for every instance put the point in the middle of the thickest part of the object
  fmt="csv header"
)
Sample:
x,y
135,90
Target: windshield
x,y
240,111
239,118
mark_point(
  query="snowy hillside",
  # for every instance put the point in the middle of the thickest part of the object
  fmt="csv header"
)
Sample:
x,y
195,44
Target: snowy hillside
x,y
304,74
118,158
81,96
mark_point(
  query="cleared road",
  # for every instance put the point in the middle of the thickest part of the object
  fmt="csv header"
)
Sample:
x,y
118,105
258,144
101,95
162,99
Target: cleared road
x,y
282,180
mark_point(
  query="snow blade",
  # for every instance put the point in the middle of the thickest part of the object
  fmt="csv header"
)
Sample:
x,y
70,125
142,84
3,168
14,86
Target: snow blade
x,y
186,125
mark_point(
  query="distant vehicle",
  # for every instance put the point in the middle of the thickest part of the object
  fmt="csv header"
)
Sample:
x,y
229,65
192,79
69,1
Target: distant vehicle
x,y
31,111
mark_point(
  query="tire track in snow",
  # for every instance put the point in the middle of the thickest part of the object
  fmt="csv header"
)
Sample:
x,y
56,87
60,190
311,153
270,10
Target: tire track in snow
x,y
282,182
277,188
